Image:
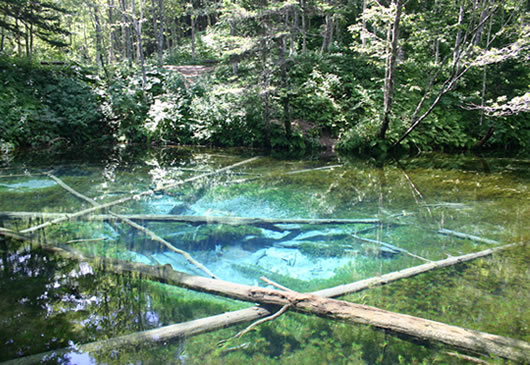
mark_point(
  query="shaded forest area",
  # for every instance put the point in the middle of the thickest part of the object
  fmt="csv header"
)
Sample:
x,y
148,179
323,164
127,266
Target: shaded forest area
x,y
359,76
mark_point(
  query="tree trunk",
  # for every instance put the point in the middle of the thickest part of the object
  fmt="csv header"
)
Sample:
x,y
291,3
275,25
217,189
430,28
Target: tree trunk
x,y
285,87
26,41
160,39
390,69
100,59
197,220
483,96
327,37
192,20
126,32
138,27
293,32
2,36
364,30
158,28
19,43
112,46
265,92
436,45
235,58
304,30
458,41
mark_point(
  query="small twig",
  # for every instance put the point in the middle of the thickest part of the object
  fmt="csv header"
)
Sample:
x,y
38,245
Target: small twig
x,y
268,281
467,358
263,320
88,240
257,323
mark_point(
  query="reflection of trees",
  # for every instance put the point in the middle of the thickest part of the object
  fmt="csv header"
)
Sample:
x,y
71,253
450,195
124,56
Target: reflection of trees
x,y
48,303
27,319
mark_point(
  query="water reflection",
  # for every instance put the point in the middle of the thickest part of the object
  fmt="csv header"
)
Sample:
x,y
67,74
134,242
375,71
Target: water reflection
x,y
51,303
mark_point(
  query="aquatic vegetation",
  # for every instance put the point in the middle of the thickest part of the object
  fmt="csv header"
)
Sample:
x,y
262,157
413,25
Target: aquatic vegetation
x,y
413,200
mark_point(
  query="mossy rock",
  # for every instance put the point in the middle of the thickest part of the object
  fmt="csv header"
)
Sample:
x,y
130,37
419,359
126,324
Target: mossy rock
x,y
208,236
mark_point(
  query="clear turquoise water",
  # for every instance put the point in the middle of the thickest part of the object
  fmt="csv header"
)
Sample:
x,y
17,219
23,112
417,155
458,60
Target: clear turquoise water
x,y
51,303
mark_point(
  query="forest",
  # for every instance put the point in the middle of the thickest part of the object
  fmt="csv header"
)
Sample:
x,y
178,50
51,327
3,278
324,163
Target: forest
x,y
363,76
264,182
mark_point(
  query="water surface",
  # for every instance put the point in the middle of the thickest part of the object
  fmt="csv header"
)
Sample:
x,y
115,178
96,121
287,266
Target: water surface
x,y
428,208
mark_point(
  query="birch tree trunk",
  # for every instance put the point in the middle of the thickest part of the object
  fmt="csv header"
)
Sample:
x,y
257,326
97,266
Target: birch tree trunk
x,y
2,35
138,27
113,41
390,68
458,41
285,86
327,37
160,37
100,59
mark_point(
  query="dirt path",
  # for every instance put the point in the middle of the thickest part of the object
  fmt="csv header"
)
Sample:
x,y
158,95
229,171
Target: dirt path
x,y
191,73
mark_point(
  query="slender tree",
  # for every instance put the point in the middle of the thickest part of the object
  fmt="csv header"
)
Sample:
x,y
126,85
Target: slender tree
x,y
390,66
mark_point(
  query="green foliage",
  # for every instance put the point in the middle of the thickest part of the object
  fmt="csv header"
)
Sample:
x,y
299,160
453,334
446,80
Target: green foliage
x,y
219,119
45,106
182,54
317,96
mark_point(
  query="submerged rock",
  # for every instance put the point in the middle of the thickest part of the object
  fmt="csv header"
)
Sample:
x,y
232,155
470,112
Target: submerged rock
x,y
179,208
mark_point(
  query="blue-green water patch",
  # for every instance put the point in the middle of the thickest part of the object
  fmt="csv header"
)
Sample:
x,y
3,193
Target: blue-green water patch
x,y
49,302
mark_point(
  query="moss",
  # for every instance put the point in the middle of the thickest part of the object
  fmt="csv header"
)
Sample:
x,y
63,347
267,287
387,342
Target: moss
x,y
208,236
324,249
255,272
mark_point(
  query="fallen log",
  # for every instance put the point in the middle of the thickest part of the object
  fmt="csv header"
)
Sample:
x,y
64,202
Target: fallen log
x,y
360,285
285,173
313,169
154,237
466,236
424,329
132,197
158,335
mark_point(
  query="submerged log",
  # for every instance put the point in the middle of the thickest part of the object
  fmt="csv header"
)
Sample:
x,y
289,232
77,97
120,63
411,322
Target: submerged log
x,y
129,198
233,221
407,273
423,329
470,340
388,245
158,335
466,236
153,236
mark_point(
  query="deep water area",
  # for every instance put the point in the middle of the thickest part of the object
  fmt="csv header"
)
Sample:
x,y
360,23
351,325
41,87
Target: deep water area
x,y
307,224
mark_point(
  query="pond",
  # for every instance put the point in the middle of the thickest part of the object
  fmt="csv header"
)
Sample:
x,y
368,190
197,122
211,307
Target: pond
x,y
306,224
